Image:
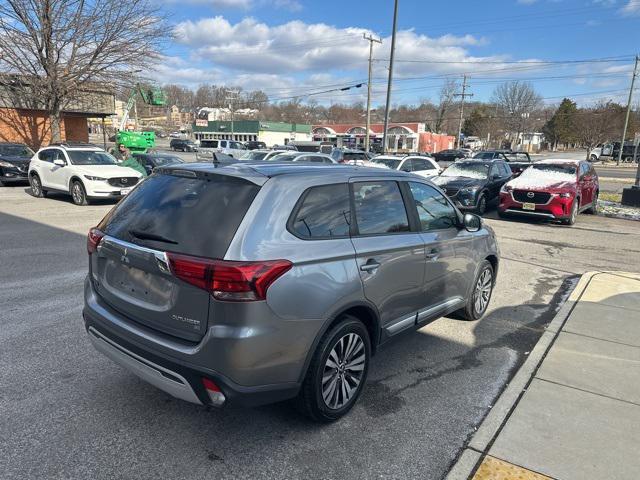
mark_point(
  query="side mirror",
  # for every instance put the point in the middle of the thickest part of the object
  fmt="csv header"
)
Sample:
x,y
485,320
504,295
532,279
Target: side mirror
x,y
59,162
472,223
495,176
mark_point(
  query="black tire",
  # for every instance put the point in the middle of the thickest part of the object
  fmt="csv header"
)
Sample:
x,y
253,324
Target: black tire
x,y
481,206
78,193
574,212
2,184
36,186
311,400
475,309
593,209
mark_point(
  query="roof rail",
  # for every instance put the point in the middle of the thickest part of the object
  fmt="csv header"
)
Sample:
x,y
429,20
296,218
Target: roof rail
x,y
73,144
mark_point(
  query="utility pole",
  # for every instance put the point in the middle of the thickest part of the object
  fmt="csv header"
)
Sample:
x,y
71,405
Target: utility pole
x,y
231,97
371,40
626,121
390,84
462,97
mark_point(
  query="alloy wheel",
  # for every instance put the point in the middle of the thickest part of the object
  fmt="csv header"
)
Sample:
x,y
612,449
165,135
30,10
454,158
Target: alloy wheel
x,y
482,292
343,371
35,186
76,192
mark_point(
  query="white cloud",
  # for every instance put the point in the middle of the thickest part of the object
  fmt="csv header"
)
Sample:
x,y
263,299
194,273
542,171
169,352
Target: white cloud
x,y
631,8
292,5
252,46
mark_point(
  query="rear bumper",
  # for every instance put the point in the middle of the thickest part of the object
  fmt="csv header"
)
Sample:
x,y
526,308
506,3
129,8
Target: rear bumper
x,y
172,370
177,378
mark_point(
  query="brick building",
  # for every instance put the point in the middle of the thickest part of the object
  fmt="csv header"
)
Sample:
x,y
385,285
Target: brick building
x,y
401,137
23,120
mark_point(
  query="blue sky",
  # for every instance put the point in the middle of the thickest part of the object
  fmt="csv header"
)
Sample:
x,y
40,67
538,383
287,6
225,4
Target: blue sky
x,y
296,47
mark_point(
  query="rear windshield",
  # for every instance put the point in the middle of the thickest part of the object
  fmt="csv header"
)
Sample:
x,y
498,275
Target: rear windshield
x,y
194,216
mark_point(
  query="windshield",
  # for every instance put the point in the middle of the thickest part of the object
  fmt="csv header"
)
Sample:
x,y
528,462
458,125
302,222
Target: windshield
x,y
16,151
392,163
551,168
283,157
253,155
209,143
469,170
87,157
166,160
484,155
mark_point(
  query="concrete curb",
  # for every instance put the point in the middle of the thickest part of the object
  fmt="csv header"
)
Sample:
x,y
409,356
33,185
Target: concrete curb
x,y
479,444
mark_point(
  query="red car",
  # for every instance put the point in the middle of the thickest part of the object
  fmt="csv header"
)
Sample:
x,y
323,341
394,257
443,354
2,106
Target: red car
x,y
553,189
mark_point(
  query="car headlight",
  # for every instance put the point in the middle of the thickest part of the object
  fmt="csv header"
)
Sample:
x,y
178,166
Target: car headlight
x,y
566,195
506,188
6,164
95,179
468,190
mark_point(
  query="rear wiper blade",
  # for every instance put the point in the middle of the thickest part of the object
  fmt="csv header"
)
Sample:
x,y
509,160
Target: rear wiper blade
x,y
151,236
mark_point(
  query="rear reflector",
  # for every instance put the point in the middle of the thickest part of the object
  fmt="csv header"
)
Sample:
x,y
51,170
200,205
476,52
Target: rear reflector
x,y
94,237
228,280
215,394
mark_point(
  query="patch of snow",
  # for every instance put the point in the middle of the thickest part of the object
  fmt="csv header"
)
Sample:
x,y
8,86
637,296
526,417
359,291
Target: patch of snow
x,y
533,178
616,210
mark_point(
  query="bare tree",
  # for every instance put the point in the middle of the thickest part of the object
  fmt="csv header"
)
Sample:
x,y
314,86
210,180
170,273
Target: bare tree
x,y
58,48
516,100
447,97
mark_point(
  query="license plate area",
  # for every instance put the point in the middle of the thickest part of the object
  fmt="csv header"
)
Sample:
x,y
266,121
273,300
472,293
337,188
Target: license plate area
x,y
528,206
125,191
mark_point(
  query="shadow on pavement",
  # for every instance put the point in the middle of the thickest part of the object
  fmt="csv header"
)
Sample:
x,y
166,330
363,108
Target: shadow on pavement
x,y
85,416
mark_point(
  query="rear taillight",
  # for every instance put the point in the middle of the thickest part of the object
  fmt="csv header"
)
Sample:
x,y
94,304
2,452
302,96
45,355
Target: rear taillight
x,y
94,237
228,280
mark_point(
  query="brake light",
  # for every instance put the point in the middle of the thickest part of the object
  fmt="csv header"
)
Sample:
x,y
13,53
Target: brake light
x,y
94,237
228,280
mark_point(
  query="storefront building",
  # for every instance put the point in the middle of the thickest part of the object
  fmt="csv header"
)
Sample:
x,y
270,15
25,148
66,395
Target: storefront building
x,y
401,137
271,133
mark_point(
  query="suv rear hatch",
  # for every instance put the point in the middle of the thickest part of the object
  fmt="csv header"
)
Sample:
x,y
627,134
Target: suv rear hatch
x,y
171,214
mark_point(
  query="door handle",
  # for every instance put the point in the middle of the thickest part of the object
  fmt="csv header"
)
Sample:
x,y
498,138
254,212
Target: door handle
x,y
370,266
432,254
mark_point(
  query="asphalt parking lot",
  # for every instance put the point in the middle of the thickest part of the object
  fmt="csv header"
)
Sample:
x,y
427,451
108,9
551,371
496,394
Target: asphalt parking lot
x,y
67,412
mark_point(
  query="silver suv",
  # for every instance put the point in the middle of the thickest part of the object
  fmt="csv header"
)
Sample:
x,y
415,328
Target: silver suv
x,y
249,284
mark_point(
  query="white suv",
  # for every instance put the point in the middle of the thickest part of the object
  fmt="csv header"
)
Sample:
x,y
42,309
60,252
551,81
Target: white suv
x,y
420,165
83,171
228,147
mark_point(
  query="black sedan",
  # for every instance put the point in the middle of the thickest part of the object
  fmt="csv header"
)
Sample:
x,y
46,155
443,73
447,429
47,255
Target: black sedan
x,y
14,163
472,184
449,156
152,160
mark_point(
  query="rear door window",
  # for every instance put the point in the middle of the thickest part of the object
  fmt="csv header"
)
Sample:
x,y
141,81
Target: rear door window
x,y
195,216
323,212
379,208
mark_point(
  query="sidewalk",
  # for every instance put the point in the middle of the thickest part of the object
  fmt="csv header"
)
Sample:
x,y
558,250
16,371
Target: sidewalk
x,y
572,411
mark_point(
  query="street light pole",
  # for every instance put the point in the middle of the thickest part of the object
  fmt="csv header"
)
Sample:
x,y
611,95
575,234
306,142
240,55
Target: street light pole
x,y
626,121
371,40
390,83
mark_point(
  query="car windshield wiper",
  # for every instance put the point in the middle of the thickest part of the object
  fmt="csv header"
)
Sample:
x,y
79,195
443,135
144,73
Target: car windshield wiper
x,y
151,236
